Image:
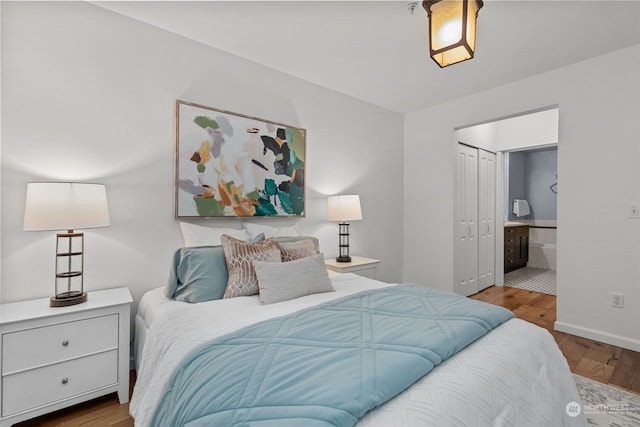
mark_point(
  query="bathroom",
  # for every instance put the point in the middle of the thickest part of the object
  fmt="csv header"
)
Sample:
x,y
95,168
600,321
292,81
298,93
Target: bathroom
x,y
530,200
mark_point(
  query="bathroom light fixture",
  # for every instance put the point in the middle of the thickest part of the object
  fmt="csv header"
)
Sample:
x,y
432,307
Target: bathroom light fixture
x,y
66,206
452,29
342,209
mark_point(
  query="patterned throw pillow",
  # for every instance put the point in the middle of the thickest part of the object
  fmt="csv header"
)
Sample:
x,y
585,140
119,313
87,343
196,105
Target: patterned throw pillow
x,y
296,250
239,256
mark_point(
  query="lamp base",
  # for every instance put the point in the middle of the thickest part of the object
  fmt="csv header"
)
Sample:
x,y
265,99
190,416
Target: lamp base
x,y
343,258
68,298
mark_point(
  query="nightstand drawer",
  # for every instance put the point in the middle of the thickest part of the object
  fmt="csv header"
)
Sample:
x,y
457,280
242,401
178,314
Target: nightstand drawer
x,y
32,348
42,386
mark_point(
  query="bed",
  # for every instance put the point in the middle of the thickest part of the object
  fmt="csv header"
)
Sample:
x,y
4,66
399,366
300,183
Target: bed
x,y
510,373
515,375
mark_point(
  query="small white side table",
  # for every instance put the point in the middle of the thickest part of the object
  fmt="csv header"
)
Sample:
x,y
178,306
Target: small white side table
x,y
54,357
367,267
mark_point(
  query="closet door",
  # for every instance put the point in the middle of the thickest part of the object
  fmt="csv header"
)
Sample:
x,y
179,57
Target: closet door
x,y
486,218
466,221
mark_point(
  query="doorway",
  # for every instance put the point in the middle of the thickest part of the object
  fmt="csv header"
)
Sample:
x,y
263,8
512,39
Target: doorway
x,y
531,177
530,130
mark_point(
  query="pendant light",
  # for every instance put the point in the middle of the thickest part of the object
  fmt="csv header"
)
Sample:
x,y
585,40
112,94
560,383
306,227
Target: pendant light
x,y
452,29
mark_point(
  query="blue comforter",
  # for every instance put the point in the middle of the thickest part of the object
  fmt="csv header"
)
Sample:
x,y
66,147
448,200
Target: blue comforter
x,y
326,365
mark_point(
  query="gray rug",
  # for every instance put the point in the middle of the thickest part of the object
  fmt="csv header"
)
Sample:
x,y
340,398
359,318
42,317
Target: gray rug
x,y
607,406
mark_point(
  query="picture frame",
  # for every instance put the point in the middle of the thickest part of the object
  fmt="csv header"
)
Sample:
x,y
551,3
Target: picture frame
x,y
232,165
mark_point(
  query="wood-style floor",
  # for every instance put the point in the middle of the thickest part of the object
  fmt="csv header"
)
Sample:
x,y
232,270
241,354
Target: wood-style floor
x,y
601,362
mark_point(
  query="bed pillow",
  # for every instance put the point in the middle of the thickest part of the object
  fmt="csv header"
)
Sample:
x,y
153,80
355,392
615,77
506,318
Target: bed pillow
x,y
287,239
239,256
197,274
287,280
198,235
269,231
297,249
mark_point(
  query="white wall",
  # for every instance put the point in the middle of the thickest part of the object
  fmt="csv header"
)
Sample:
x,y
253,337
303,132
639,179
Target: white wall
x,y
88,95
598,153
521,131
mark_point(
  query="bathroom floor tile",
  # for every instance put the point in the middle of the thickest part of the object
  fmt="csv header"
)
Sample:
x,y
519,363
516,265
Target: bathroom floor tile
x,y
532,279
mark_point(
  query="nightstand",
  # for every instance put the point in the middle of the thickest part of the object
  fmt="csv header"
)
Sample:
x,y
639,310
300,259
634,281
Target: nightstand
x,y
361,266
54,357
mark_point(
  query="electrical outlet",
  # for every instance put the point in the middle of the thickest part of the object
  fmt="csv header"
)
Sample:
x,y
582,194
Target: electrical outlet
x,y
634,210
617,300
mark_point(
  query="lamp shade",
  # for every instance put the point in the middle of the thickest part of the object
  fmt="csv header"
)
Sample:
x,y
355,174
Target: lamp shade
x,y
344,208
65,206
452,29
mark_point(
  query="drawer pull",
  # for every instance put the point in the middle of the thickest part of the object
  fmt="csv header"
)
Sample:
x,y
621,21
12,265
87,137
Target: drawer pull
x,y
65,343
65,380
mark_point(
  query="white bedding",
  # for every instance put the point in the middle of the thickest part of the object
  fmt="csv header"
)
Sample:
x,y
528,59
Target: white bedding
x,y
514,376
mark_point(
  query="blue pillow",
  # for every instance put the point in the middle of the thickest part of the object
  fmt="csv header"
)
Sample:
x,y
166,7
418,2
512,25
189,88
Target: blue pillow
x,y
198,274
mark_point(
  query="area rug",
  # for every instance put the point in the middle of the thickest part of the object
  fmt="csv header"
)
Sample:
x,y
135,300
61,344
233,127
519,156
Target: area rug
x,y
532,279
607,406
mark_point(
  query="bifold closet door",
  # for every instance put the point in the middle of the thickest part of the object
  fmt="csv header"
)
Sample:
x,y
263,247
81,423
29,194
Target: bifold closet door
x,y
486,219
475,222
466,221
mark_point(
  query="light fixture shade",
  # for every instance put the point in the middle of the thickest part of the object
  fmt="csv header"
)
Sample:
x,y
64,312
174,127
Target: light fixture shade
x,y
344,208
65,206
452,29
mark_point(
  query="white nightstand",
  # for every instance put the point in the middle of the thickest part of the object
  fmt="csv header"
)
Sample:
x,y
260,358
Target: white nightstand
x,y
361,266
54,357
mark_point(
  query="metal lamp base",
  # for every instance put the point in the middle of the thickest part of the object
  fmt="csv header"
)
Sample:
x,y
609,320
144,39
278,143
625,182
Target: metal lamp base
x,y
68,298
343,243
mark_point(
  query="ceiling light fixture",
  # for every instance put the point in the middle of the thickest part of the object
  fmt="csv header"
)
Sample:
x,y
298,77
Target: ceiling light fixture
x,y
452,29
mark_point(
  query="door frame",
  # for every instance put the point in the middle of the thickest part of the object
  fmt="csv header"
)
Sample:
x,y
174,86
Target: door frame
x,y
542,129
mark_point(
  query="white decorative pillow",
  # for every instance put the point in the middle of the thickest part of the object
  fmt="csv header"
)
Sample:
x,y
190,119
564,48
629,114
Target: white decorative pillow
x,y
288,280
296,250
268,230
197,235
239,256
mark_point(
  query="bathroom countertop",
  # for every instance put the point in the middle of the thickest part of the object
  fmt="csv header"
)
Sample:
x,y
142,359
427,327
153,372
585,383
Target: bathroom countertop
x,y
514,224
544,223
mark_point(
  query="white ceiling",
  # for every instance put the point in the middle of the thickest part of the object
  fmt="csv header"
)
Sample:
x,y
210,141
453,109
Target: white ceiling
x,y
377,51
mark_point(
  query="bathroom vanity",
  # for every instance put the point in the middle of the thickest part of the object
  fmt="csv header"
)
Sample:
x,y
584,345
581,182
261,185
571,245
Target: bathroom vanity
x,y
516,246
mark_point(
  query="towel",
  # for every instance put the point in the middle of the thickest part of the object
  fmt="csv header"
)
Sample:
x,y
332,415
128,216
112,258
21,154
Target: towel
x,y
520,207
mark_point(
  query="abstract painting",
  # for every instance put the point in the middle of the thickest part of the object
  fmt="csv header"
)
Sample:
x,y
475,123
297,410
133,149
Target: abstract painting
x,y
232,165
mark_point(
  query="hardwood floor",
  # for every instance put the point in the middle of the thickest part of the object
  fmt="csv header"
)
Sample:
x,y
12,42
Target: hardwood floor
x,y
601,362
104,411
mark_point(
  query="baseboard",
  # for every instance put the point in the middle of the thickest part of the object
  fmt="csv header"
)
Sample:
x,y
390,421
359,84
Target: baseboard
x,y
593,334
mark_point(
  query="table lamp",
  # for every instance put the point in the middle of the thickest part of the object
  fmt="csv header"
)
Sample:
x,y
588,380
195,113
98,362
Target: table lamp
x,y
66,206
342,209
